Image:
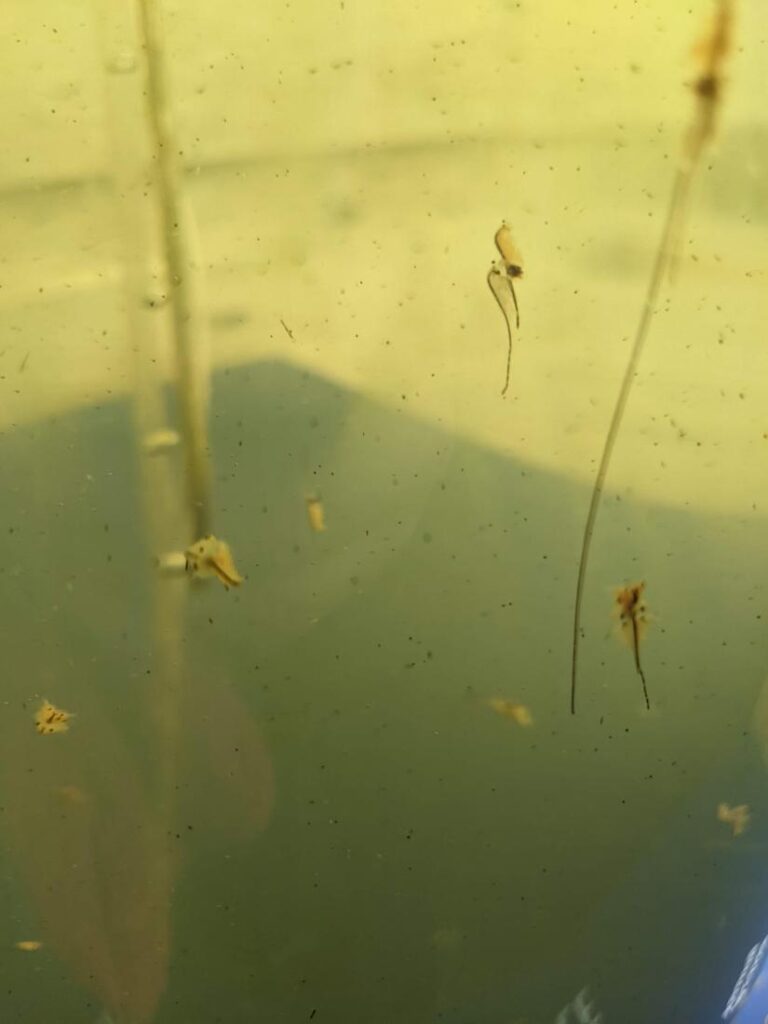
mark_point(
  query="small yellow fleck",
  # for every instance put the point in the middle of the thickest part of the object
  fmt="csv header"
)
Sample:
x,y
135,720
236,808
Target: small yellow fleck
x,y
29,945
518,713
50,719
737,817
160,441
315,513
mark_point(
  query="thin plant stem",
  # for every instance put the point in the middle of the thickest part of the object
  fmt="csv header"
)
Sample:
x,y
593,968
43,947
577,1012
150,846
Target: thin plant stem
x,y
182,288
679,188
713,49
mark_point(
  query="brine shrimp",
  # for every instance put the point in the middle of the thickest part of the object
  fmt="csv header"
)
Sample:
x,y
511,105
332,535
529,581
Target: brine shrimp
x,y
633,620
501,281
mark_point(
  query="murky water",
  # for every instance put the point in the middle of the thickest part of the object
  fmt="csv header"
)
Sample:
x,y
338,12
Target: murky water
x,y
292,800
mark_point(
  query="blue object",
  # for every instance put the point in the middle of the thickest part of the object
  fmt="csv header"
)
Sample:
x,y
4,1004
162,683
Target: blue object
x,y
749,1000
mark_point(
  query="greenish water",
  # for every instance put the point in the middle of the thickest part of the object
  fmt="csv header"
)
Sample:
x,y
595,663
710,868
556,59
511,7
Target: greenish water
x,y
294,800
425,859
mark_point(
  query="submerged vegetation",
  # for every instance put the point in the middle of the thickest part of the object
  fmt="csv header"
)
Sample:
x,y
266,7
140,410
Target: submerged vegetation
x,y
711,54
173,746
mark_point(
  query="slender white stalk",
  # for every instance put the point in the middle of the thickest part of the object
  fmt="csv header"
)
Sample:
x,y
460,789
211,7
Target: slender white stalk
x,y
164,325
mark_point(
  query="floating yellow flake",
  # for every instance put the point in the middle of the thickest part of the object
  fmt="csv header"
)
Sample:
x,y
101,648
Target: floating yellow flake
x,y
210,556
160,441
315,513
50,719
29,945
518,713
737,817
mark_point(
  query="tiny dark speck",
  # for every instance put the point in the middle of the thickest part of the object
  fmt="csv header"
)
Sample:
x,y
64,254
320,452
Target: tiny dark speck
x,y
312,1014
427,537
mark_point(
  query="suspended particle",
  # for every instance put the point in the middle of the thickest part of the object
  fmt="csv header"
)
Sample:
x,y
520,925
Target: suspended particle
x,y
517,713
210,556
737,817
315,513
50,719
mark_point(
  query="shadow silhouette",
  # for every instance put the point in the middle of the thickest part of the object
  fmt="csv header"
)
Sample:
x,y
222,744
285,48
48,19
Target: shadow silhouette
x,y
406,809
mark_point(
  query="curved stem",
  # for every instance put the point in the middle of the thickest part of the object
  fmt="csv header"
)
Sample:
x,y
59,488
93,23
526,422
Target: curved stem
x,y
676,202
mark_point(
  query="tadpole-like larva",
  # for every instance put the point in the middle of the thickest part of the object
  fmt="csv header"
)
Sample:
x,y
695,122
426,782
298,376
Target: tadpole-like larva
x,y
501,281
711,53
633,620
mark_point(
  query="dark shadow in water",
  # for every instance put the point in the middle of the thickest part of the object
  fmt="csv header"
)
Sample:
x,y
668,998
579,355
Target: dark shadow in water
x,y
80,810
93,857
427,859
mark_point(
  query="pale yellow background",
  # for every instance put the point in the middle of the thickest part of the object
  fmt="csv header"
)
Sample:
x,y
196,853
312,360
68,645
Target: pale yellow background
x,y
348,166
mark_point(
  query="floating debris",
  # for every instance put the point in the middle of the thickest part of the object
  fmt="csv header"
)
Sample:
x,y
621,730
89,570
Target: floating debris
x,y
50,719
29,945
518,713
633,619
158,442
287,329
315,513
501,278
210,556
737,817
